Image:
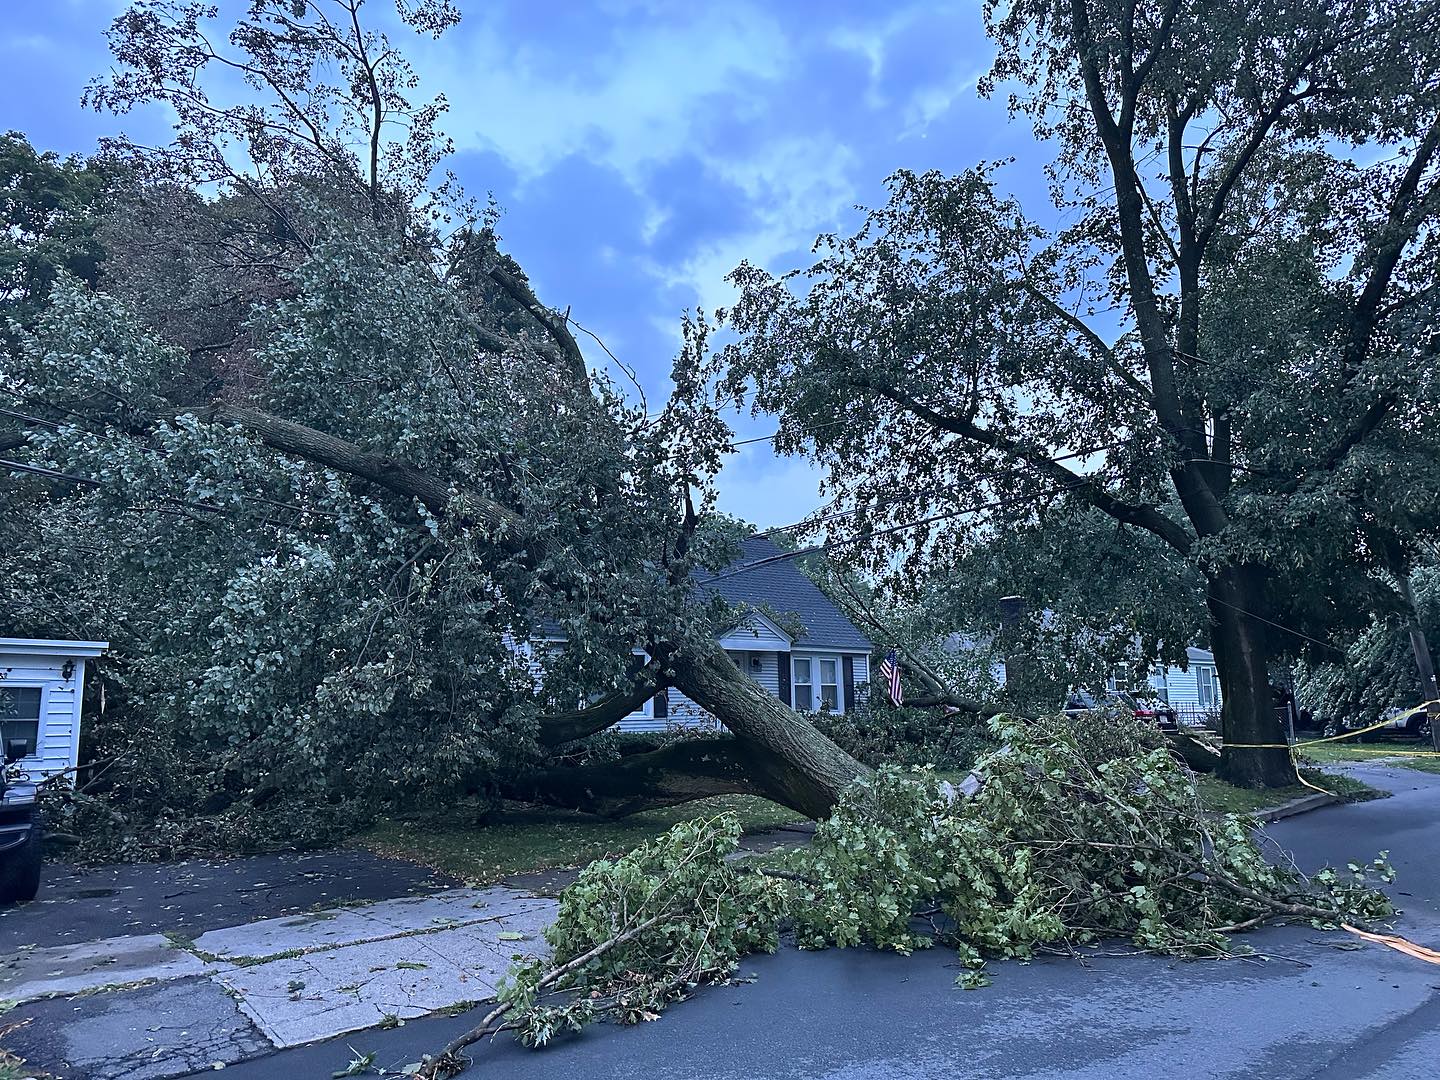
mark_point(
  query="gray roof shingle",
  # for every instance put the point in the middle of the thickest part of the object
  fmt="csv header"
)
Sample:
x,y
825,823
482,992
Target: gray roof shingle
x,y
782,587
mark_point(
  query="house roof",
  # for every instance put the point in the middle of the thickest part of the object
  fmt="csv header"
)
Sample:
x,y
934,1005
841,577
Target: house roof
x,y
85,650
781,587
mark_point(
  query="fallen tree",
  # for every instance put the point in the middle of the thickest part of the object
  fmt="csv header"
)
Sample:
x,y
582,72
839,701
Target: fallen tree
x,y
329,479
775,751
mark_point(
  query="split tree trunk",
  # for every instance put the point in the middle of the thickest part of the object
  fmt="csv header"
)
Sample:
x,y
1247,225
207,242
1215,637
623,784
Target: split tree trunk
x,y
1242,663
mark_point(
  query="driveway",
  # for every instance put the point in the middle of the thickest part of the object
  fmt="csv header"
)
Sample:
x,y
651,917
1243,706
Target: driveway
x,y
1309,1006
148,972
89,903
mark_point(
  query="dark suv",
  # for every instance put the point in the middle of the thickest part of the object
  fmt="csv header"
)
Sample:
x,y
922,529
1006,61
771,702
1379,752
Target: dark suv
x,y
19,832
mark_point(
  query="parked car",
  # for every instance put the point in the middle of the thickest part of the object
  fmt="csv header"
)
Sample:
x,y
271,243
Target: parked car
x,y
19,832
1158,712
1416,725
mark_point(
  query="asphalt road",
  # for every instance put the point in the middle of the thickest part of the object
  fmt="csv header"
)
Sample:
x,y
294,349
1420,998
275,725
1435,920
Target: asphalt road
x,y
1307,1009
88,903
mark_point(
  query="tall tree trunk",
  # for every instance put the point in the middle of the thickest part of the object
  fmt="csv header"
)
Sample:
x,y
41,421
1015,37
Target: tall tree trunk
x,y
1242,662
775,752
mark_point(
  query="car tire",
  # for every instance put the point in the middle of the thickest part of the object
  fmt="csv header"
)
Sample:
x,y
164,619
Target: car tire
x,y
20,871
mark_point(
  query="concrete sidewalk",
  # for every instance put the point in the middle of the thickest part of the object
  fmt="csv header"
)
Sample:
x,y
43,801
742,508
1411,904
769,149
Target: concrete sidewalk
x,y
145,1007
143,972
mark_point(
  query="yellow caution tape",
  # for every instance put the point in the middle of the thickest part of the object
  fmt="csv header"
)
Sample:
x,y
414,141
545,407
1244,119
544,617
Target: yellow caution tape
x,y
1424,706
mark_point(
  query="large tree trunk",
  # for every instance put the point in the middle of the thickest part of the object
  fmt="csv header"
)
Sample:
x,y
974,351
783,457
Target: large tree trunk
x,y
775,752
1242,663
788,758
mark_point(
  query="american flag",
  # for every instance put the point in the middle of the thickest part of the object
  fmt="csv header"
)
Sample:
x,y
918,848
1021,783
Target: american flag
x,y
890,668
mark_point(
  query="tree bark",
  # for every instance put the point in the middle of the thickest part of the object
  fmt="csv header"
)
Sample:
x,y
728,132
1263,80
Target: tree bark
x,y
787,757
775,753
1242,662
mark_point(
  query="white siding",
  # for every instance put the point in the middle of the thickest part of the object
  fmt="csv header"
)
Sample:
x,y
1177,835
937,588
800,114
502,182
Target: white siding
x,y
57,742
756,633
767,673
1182,686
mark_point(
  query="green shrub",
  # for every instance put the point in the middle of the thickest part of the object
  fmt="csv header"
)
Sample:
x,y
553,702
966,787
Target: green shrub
x,y
879,734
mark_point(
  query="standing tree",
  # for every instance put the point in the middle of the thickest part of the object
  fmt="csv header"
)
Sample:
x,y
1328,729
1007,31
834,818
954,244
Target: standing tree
x,y
1236,333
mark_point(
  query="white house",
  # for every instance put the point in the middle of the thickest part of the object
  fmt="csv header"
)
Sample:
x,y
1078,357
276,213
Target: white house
x,y
1192,691
822,662
791,639
41,685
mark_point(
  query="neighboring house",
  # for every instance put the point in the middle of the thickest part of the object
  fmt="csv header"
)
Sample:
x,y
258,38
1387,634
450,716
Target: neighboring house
x,y
41,684
824,664
1193,689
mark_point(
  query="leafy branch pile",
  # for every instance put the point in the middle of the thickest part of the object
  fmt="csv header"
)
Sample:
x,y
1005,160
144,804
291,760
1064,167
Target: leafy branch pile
x,y
1082,831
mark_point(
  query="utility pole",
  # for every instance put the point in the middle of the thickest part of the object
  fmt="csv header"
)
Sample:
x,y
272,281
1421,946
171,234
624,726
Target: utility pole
x,y
1423,660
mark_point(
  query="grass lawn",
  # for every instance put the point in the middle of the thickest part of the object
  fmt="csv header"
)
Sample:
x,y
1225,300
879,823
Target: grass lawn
x,y
1221,797
521,838
1409,755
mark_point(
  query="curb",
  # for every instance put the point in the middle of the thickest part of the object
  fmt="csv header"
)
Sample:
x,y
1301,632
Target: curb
x,y
1303,804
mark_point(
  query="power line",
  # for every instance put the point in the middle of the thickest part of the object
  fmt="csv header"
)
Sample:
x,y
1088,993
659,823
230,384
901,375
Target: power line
x,y
1279,626
989,504
990,475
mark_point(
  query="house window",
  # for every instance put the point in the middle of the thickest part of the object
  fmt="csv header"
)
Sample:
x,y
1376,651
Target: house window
x,y
1207,685
20,716
816,683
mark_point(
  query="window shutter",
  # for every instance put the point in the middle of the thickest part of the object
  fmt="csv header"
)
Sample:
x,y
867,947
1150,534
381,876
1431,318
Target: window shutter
x,y
662,704
849,702
783,660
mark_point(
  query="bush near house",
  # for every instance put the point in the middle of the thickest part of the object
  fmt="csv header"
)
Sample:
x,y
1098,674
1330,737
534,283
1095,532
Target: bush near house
x,y
879,734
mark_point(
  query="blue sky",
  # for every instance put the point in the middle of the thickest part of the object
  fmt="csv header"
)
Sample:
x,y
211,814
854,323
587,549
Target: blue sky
x,y
641,148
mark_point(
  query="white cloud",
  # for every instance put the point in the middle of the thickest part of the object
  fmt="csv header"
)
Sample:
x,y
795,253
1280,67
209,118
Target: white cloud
x,y
641,107
799,187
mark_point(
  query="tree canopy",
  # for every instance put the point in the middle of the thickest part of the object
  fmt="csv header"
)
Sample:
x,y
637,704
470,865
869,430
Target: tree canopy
x,y
325,474
1226,353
